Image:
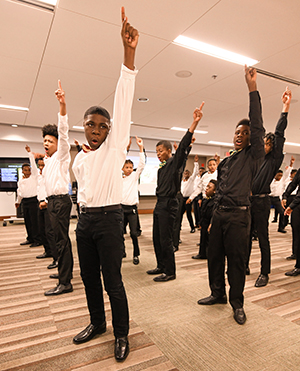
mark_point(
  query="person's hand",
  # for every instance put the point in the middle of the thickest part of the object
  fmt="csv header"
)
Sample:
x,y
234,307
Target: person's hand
x,y
60,94
175,146
43,205
188,201
196,158
200,203
27,148
198,114
292,161
76,142
250,76
286,96
130,35
140,143
217,158
288,211
209,228
193,140
283,203
17,205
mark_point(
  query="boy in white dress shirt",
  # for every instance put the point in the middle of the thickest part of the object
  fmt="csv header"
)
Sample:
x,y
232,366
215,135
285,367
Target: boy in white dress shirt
x,y
98,170
27,194
130,197
57,179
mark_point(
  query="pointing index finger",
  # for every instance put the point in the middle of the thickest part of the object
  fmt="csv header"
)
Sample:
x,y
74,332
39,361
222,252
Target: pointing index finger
x,y
123,14
202,104
59,85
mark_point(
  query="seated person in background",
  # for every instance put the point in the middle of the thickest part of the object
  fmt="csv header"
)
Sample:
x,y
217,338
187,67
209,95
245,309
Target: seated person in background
x,y
130,197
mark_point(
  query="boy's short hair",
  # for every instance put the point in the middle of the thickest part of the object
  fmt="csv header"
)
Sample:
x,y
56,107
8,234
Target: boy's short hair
x,y
201,168
279,172
98,111
294,171
50,129
128,162
25,165
165,143
271,137
211,159
243,122
214,182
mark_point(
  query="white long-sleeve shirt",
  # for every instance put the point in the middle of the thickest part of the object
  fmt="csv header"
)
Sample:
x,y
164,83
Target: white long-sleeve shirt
x,y
187,186
130,195
205,179
41,195
278,186
56,171
27,187
99,173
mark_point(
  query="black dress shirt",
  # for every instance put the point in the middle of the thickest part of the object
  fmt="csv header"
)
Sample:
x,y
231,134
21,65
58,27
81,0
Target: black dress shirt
x,y
169,176
290,188
236,172
272,161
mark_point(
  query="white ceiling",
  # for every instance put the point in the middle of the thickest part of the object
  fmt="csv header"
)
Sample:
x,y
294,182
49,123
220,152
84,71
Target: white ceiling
x,y
79,43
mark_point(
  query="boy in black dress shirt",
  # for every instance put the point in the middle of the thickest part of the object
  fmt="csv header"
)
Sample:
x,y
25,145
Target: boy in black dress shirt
x,y
229,234
168,185
260,200
206,211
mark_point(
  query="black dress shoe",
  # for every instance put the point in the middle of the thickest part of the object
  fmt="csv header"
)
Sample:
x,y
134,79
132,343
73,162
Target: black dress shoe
x,y
239,316
89,332
193,230
291,257
281,230
55,276
43,256
210,300
294,272
155,271
198,256
136,260
35,244
262,280
121,349
25,243
54,264
59,289
164,278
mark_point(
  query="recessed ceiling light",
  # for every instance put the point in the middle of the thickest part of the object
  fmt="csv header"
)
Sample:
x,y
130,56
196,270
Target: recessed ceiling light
x,y
143,99
221,143
13,108
183,74
78,127
182,129
213,51
14,125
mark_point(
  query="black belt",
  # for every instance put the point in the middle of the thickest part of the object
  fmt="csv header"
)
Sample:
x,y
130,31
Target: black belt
x,y
101,209
232,208
261,195
57,196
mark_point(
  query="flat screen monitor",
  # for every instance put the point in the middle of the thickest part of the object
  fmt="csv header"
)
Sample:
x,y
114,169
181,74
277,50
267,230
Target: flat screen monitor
x,y
11,172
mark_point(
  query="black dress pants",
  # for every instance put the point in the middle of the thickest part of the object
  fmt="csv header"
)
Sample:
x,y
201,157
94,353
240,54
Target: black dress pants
x,y
177,221
295,221
188,208
163,222
30,211
229,237
260,212
131,215
59,209
47,234
204,240
100,244
276,202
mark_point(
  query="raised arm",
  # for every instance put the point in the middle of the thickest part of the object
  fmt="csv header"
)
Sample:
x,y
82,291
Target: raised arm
x,y
257,131
197,116
142,161
63,146
130,37
34,169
